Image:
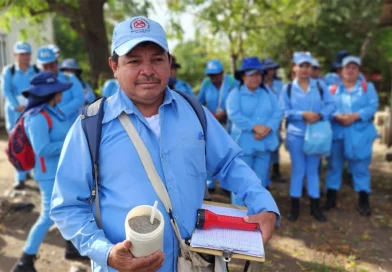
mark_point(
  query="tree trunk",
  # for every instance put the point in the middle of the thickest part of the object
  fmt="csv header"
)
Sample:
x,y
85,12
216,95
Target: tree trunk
x,y
93,33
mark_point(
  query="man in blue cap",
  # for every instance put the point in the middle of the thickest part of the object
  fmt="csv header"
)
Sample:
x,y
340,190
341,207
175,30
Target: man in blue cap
x,y
178,84
73,98
213,94
178,151
15,79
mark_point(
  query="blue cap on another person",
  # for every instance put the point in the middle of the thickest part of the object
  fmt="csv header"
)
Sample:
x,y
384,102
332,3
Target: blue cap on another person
x,y
130,33
302,57
44,84
71,64
22,47
213,67
315,63
45,55
351,59
269,63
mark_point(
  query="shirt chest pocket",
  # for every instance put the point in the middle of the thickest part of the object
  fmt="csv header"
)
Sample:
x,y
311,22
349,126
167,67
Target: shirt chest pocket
x,y
194,156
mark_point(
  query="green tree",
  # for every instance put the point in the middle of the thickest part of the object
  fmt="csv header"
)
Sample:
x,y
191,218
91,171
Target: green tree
x,y
85,18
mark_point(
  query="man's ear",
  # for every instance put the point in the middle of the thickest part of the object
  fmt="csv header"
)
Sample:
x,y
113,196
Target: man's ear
x,y
113,65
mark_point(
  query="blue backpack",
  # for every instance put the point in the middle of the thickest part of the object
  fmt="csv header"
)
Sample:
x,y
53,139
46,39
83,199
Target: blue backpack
x,y
91,119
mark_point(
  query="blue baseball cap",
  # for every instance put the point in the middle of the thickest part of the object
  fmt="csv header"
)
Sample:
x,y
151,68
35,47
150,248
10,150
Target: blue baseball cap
x,y
351,59
213,67
269,63
56,50
71,64
22,47
130,33
315,63
302,57
44,84
45,55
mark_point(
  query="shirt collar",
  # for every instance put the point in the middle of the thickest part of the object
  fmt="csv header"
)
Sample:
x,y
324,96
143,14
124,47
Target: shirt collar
x,y
312,84
120,102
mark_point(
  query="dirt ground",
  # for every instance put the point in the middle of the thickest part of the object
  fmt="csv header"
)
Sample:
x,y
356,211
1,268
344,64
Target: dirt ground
x,y
347,242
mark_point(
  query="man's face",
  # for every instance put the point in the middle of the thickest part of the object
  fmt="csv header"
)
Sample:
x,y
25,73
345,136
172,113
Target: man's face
x,y
143,73
216,79
350,72
50,67
23,58
252,82
270,73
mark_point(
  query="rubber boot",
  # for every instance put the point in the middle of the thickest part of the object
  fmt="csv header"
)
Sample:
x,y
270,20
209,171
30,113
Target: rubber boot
x,y
294,214
315,210
25,263
364,206
330,203
276,175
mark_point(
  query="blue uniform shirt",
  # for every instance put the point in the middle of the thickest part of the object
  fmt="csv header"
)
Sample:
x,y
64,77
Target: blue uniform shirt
x,y
332,79
299,102
180,159
246,109
46,143
184,87
276,87
110,87
73,98
356,101
213,98
12,87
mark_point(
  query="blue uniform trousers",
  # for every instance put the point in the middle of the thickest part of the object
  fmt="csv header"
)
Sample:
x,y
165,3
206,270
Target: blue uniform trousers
x,y
259,162
43,223
359,169
302,166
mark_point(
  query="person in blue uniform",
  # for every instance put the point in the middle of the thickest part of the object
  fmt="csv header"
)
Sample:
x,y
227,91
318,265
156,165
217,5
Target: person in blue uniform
x,y
71,67
275,85
110,87
15,79
46,128
178,84
304,102
353,133
180,152
213,95
333,77
73,99
255,114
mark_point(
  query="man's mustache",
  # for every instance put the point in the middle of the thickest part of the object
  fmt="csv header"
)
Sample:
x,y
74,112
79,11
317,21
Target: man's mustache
x,y
148,79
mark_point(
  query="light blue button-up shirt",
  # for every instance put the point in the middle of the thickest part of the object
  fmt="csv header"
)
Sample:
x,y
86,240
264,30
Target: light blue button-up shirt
x,y
214,98
14,85
246,109
365,103
184,87
110,87
73,98
182,159
300,102
276,87
47,143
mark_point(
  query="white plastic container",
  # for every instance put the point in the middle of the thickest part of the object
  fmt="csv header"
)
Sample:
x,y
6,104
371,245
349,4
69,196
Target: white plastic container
x,y
147,243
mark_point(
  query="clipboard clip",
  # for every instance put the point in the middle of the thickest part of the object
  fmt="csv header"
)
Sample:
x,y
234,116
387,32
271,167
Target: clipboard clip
x,y
226,255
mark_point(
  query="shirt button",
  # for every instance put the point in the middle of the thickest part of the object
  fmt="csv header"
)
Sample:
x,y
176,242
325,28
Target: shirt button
x,y
176,216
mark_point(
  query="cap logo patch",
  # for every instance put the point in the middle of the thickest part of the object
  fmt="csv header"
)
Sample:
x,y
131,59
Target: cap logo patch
x,y
45,54
140,25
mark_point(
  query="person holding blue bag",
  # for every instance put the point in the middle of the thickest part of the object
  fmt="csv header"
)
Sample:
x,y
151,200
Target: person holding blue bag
x,y
305,102
353,134
275,85
256,116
